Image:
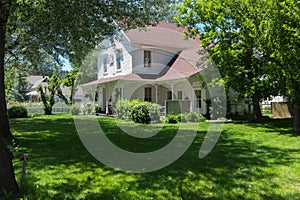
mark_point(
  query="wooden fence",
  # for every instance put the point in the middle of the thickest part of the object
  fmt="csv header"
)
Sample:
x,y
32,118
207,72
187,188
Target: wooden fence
x,y
38,109
280,110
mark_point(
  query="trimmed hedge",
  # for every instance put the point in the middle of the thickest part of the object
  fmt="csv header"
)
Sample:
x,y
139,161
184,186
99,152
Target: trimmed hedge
x,y
17,112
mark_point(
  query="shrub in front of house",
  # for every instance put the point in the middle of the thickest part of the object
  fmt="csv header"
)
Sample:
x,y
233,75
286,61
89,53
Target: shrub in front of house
x,y
189,117
201,118
172,119
140,113
194,117
154,111
123,110
75,110
17,112
182,118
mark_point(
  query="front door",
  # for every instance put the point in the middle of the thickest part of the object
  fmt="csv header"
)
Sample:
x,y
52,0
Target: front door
x,y
148,94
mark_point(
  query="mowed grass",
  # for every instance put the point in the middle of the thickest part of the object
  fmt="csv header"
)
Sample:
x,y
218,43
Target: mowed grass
x,y
250,161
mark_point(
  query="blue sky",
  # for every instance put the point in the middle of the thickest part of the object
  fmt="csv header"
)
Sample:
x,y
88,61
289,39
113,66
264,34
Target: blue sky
x,y
66,64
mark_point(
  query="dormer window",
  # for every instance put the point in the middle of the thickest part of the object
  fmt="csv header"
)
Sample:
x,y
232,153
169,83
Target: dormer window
x,y
104,64
147,58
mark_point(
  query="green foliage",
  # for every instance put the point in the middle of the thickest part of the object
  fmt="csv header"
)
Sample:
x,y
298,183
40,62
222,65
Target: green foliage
x,y
123,110
231,33
138,111
75,110
17,112
70,81
182,118
253,41
154,111
194,117
47,97
97,109
188,117
19,88
172,119
134,102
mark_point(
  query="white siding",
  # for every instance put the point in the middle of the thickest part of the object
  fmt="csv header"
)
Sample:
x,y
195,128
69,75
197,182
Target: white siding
x,y
159,59
109,49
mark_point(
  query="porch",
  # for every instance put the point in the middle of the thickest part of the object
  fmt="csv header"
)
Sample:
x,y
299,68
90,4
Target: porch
x,y
167,95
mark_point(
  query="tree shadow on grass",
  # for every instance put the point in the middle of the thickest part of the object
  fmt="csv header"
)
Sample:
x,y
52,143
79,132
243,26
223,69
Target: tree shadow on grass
x,y
61,168
282,126
235,169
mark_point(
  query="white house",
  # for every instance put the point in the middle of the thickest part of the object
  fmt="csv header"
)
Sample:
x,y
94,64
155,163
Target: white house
x,y
152,64
35,81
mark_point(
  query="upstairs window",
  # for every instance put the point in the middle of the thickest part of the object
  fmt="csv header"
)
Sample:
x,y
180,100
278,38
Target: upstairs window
x,y
104,64
119,58
147,58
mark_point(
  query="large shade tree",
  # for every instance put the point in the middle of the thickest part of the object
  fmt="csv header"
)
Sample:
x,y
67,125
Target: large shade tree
x,y
30,29
255,44
228,31
281,45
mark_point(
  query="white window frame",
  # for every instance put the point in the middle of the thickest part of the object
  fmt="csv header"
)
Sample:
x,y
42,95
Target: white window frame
x,y
105,64
119,58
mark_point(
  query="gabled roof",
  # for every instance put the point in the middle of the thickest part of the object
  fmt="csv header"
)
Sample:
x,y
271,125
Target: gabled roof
x,y
34,81
162,34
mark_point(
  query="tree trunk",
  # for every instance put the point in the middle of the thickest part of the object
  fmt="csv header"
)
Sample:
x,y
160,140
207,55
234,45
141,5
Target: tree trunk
x,y
296,116
72,92
8,182
256,107
7,177
48,110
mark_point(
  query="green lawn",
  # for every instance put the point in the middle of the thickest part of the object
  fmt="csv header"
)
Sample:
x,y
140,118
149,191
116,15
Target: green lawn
x,y
250,161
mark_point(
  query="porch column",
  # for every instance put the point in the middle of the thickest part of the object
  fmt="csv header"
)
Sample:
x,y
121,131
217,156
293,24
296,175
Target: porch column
x,y
100,99
93,98
192,100
172,87
106,100
99,96
156,94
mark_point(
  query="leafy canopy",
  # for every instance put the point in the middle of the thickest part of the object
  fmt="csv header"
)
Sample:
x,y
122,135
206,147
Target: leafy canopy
x,y
254,42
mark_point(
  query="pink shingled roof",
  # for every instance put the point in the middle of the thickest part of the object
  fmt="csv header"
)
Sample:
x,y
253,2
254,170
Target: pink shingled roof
x,y
163,34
